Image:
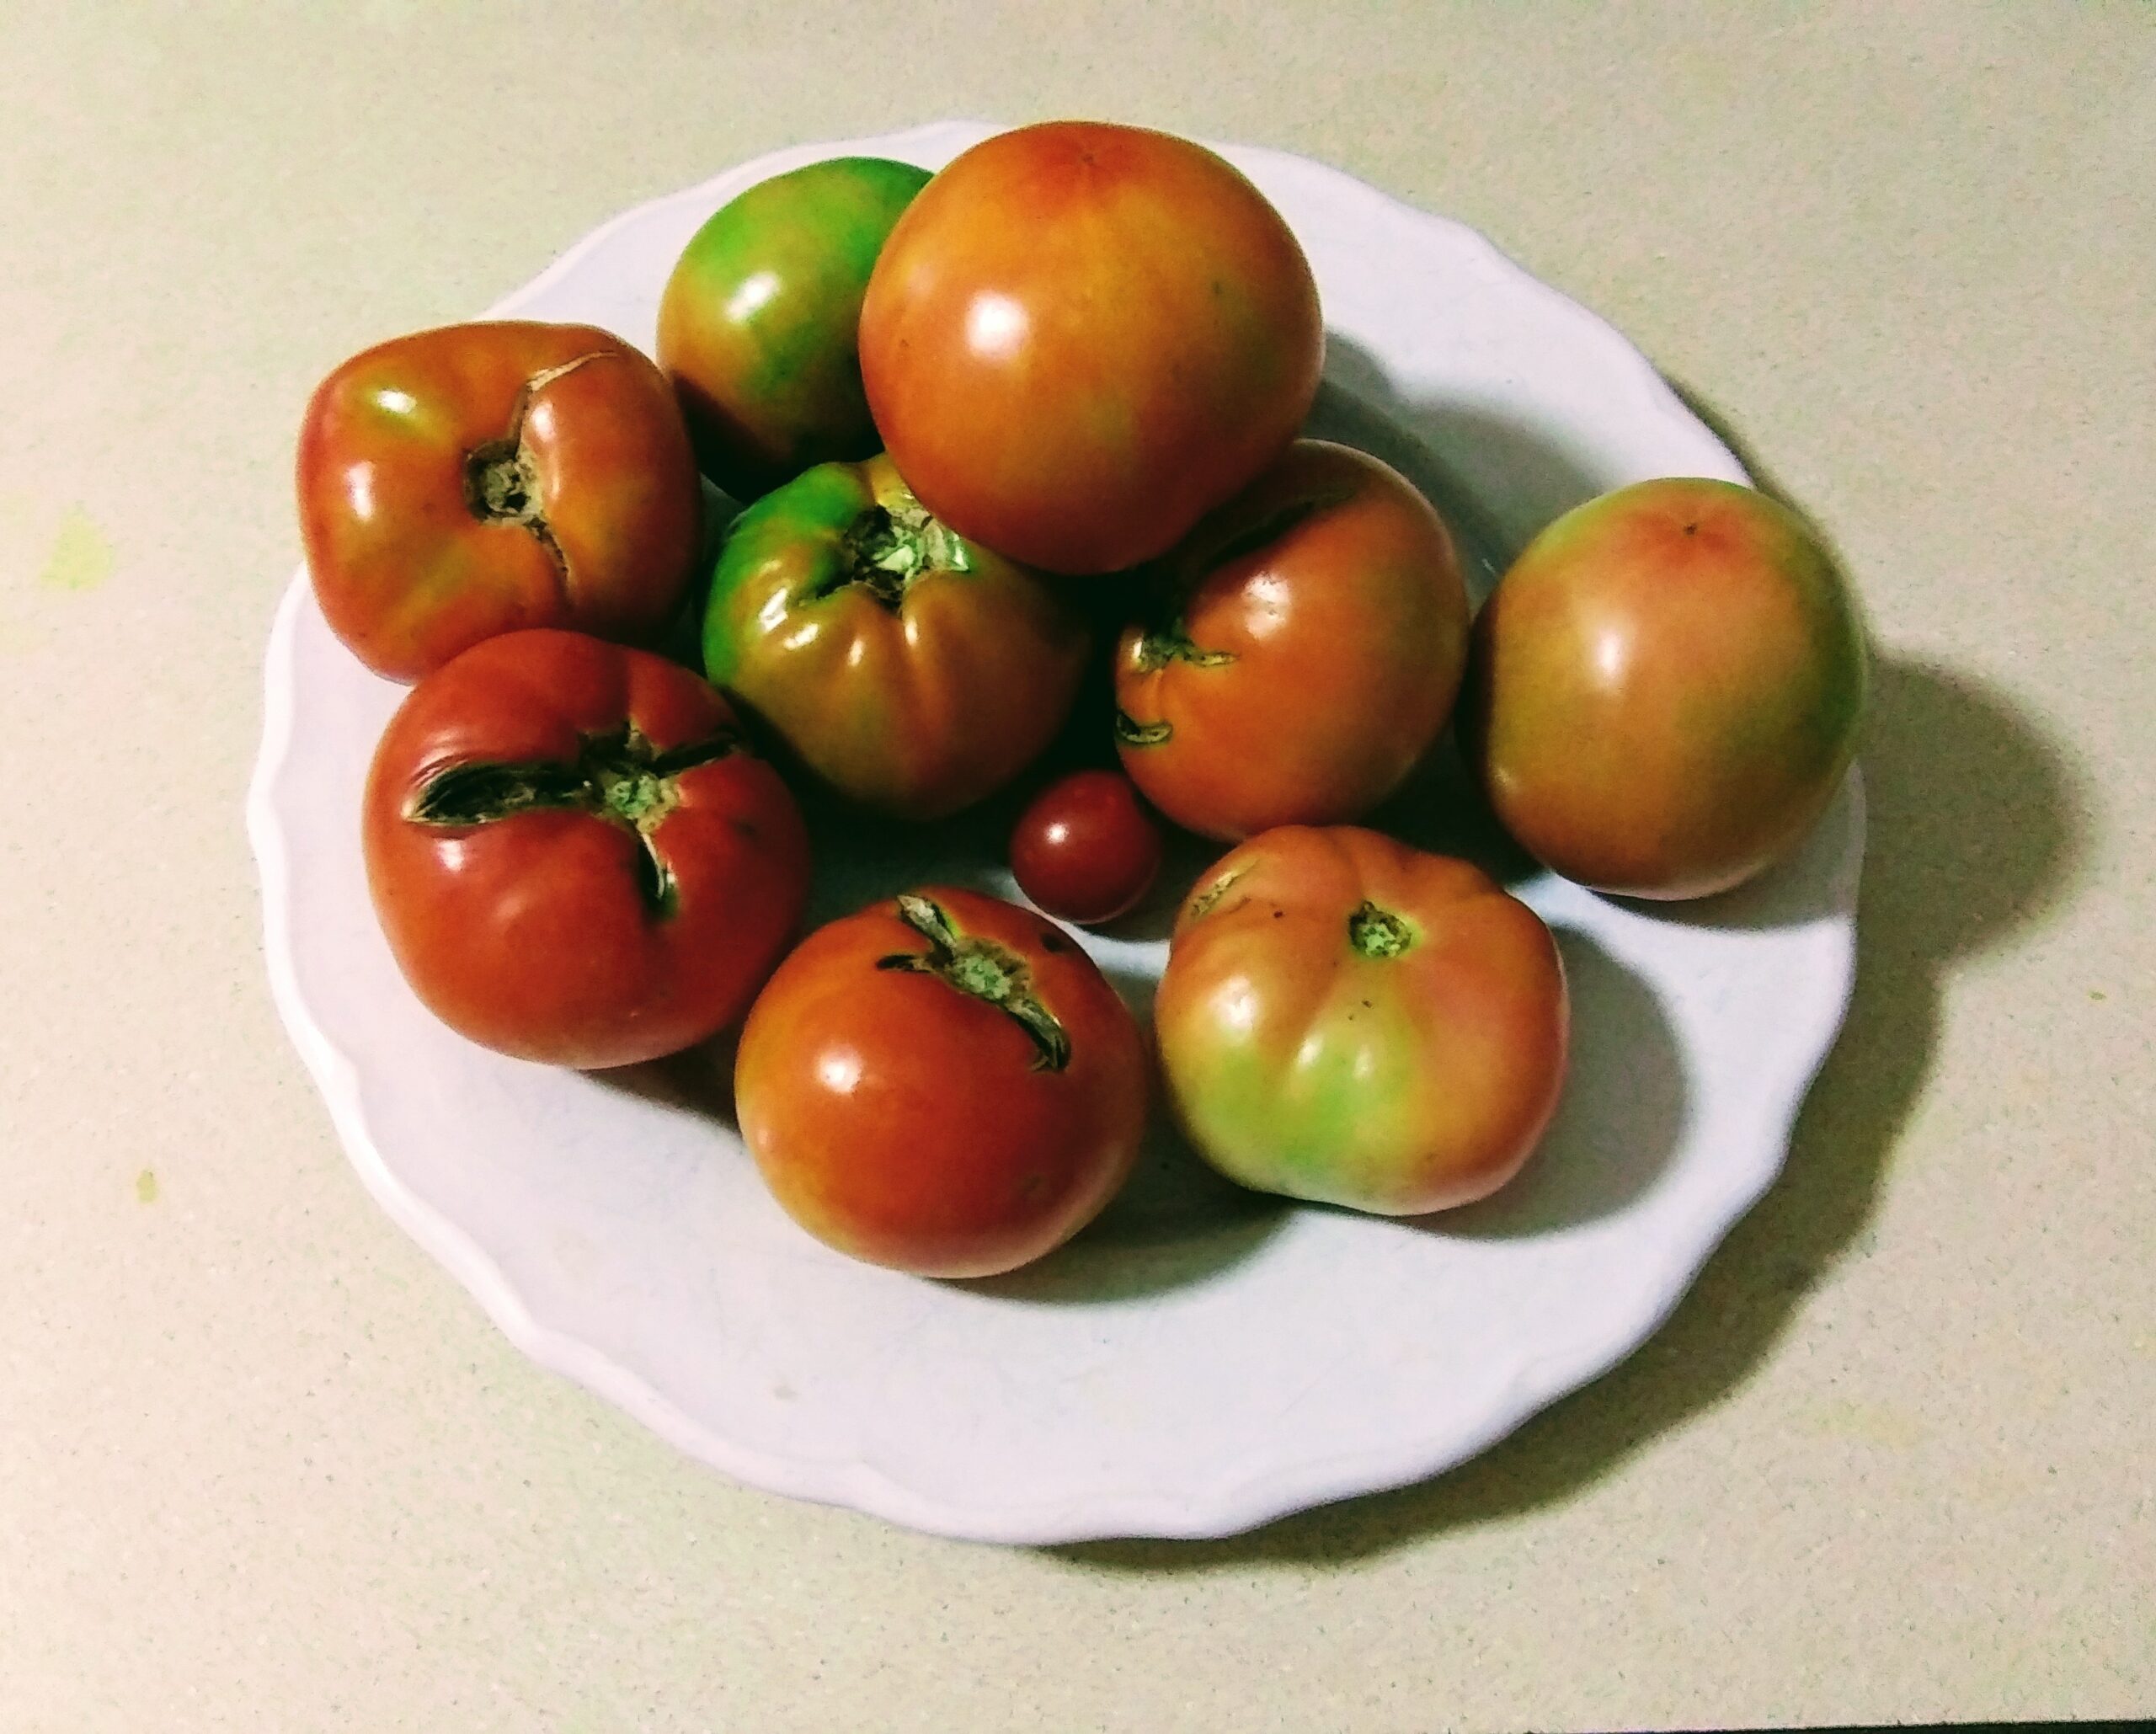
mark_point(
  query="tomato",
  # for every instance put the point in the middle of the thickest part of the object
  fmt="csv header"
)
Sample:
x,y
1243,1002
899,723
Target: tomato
x,y
1079,339
944,1083
1306,652
572,856
1346,1019
1665,689
909,669
480,479
1085,849
757,325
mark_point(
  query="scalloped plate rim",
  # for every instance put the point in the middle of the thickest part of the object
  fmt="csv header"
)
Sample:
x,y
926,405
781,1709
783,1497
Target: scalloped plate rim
x,y
1255,1499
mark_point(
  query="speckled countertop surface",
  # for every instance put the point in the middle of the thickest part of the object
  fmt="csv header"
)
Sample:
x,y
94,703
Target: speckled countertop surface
x,y
264,1467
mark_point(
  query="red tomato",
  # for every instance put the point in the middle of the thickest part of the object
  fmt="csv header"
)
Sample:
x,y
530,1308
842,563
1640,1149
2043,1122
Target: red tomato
x,y
1306,652
480,479
1079,339
1666,688
1086,849
573,858
944,1083
1346,1019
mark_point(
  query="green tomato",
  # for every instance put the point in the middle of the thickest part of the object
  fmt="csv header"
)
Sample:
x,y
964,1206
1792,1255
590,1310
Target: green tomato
x,y
911,670
757,327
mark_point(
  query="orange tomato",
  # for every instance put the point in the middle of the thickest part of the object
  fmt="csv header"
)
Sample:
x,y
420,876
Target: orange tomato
x,y
1307,653
1079,339
1665,689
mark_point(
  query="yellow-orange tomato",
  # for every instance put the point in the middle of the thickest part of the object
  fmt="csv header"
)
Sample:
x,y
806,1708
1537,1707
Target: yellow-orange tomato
x,y
1664,690
1308,650
1346,1019
1079,339
944,1083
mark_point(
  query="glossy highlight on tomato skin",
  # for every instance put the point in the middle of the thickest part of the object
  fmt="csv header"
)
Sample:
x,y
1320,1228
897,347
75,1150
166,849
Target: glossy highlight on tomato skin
x,y
758,323
1350,1021
1665,690
1305,654
912,671
1085,849
1081,337
491,476
602,919
909,1123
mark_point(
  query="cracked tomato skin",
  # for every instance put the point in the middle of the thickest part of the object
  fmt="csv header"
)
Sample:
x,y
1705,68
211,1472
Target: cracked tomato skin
x,y
757,327
484,477
1082,338
906,1121
1348,1019
572,856
916,695
1308,649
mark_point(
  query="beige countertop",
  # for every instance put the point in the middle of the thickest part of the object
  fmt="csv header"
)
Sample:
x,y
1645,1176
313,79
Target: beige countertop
x,y
264,1465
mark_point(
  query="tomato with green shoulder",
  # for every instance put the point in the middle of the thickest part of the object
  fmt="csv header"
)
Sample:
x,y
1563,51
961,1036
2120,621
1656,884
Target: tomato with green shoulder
x,y
1664,690
1347,1019
757,324
909,669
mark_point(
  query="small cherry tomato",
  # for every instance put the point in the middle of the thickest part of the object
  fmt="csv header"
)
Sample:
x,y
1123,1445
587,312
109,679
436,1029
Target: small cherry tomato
x,y
1305,653
1346,1019
486,478
1665,689
572,856
944,1083
1079,339
909,669
757,326
1086,850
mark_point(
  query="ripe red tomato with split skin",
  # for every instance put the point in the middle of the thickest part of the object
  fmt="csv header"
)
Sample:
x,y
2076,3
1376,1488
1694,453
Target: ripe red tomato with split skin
x,y
574,858
1085,849
487,478
1080,338
1304,652
1348,1019
1666,689
944,1083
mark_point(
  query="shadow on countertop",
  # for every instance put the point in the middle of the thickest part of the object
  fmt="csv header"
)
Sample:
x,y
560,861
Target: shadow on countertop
x,y
1978,825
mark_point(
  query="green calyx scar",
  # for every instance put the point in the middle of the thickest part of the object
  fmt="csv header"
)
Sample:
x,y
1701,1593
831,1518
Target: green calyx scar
x,y
618,776
1169,639
1172,643
891,544
1132,733
984,970
1377,933
501,477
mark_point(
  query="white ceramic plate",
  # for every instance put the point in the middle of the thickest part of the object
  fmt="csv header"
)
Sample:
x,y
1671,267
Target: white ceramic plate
x,y
1200,1360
